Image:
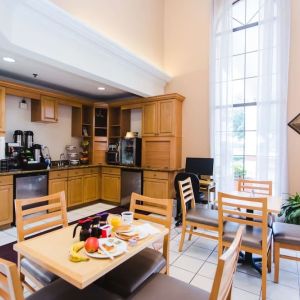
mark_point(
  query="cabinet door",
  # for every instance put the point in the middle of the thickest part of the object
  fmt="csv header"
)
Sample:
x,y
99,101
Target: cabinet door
x,y
58,185
90,188
2,110
156,188
149,119
166,116
49,109
111,188
75,191
6,204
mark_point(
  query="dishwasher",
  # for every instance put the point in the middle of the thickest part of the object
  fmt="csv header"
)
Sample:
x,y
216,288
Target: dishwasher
x,y
131,181
30,185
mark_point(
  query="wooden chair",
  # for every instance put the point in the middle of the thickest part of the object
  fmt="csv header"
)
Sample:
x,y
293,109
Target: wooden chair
x,y
286,236
160,286
47,212
257,186
149,261
257,236
195,217
11,288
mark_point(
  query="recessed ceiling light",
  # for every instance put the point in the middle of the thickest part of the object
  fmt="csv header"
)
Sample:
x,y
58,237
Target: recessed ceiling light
x,y
8,59
101,88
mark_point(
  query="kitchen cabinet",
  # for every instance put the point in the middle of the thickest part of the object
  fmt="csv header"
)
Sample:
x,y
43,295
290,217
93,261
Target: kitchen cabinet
x,y
6,200
44,110
90,188
163,117
111,183
75,191
158,184
2,111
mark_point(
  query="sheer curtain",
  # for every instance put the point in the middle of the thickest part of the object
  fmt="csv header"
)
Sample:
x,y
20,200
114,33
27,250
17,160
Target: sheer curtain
x,y
221,94
273,20
274,32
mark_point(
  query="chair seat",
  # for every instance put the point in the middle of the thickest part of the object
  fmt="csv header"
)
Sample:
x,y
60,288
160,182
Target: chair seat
x,y
286,233
165,287
252,236
203,216
128,276
62,290
42,275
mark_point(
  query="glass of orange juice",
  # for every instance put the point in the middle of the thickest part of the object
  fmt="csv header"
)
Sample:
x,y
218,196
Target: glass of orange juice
x,y
114,220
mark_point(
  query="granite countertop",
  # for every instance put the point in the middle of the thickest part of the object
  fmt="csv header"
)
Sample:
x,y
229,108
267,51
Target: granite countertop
x,y
16,172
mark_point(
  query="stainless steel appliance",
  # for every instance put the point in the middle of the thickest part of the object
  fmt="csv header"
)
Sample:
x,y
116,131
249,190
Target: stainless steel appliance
x,y
113,154
28,139
30,185
131,181
18,137
131,151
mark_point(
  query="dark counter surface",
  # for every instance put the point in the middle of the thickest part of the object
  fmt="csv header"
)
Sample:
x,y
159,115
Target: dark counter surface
x,y
16,172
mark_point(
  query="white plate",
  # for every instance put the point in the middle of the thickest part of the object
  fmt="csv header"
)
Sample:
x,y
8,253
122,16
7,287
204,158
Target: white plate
x,y
120,248
142,233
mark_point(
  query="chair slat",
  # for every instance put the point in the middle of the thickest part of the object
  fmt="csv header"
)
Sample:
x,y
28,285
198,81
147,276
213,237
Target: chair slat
x,y
42,208
239,205
242,214
151,209
44,226
36,218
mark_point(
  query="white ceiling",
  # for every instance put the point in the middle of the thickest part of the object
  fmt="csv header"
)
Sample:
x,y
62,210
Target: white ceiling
x,y
55,78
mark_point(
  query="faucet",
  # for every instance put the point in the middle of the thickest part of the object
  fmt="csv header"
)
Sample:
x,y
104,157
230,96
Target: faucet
x,y
61,158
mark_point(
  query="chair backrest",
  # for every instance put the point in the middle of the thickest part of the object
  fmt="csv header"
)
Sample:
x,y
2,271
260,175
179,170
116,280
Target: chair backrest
x,y
157,210
186,194
226,268
46,212
257,186
195,183
10,284
249,211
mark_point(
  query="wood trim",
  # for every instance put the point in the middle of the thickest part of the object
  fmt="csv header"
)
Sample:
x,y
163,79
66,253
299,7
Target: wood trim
x,y
23,90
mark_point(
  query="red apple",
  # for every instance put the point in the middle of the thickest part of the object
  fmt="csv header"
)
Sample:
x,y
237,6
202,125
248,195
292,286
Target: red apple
x,y
91,244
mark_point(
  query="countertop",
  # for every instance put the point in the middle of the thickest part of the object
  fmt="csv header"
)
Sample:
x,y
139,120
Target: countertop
x,y
16,172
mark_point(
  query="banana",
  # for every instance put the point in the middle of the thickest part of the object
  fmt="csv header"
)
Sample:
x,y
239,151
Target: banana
x,y
74,255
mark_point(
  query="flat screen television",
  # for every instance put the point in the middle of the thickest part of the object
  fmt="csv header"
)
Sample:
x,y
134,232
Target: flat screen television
x,y
199,166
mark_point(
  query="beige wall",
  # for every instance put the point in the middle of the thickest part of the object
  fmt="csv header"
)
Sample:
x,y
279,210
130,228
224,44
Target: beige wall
x,y
134,24
294,100
186,57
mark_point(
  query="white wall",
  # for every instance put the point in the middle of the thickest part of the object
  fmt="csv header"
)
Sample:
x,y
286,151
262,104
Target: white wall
x,y
136,121
56,136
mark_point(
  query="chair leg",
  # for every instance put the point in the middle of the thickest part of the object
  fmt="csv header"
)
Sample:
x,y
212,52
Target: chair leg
x,y
264,278
191,232
229,294
220,248
182,236
269,263
276,261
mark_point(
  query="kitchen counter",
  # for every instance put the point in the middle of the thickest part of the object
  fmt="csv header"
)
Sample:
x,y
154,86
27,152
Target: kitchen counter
x,y
16,172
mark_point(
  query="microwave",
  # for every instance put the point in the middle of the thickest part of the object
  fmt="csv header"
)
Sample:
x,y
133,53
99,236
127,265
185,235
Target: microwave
x,y
113,157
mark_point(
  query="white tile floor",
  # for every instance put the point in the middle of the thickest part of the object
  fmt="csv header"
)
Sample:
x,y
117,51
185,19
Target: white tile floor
x,y
196,264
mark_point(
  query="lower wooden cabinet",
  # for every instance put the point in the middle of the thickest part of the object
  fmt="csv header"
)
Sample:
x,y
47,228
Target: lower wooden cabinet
x,y
58,185
90,187
75,191
6,204
111,187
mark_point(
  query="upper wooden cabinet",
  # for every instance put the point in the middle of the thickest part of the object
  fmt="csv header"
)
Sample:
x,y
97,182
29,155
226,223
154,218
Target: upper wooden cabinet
x,y
44,110
2,110
163,116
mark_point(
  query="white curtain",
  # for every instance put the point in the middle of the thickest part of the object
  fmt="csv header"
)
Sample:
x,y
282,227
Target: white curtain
x,y
270,93
274,33
221,96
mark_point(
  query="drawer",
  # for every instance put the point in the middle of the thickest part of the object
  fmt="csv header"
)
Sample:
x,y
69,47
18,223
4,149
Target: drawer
x,y
58,174
5,180
88,171
108,170
76,172
156,175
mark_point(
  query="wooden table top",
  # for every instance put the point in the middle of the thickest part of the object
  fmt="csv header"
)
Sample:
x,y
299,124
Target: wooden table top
x,y
51,251
274,203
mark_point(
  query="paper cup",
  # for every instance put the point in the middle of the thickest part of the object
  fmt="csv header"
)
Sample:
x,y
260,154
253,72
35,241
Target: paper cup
x,y
127,217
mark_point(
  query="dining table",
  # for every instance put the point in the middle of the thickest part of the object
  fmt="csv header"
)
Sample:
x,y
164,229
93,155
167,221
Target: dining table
x,y
51,251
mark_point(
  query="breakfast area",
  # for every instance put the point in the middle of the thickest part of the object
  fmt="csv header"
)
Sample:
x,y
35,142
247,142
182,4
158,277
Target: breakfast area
x,y
149,149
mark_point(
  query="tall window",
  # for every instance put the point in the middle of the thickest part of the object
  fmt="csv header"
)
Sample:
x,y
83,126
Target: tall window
x,y
250,51
244,86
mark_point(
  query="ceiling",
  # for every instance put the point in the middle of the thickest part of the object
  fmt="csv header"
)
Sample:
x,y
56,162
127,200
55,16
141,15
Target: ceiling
x,y
55,78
